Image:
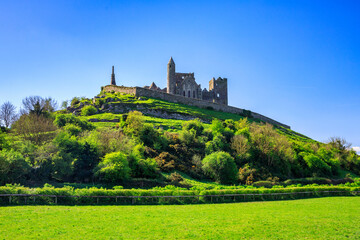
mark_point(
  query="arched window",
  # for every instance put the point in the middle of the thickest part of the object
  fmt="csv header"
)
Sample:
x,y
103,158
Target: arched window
x,y
189,94
193,94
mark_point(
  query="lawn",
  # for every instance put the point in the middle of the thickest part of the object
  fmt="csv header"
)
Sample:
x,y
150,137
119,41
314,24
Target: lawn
x,y
322,218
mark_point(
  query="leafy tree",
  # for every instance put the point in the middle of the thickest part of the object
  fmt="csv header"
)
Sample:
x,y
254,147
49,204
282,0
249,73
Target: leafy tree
x,y
88,110
109,140
52,163
7,114
114,168
316,165
221,167
134,123
240,144
36,128
13,167
195,125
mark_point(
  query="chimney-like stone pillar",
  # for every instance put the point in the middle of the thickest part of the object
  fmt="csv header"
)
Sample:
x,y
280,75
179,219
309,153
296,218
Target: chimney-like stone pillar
x,y
113,77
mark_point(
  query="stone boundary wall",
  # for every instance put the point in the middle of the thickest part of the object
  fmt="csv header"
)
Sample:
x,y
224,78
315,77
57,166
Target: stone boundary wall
x,y
138,91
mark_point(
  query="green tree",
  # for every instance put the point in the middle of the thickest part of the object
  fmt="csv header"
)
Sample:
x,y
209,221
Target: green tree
x,y
13,167
88,110
221,167
114,168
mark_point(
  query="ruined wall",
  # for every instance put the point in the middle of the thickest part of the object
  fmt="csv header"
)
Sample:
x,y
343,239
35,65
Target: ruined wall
x,y
138,91
122,89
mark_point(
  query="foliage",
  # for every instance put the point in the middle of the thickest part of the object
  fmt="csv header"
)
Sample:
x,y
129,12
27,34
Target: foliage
x,y
114,168
13,167
220,166
33,127
88,110
63,147
62,119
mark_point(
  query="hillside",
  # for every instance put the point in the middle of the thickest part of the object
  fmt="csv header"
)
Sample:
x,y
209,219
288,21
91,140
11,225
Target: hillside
x,y
119,139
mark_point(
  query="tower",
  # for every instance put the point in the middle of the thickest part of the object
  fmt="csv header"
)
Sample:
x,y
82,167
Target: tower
x,y
219,90
113,77
171,82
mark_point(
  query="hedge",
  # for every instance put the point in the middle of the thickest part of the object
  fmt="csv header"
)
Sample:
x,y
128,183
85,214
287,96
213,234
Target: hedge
x,y
70,196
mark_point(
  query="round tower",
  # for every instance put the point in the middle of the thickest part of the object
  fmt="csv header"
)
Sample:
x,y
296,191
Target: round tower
x,y
171,82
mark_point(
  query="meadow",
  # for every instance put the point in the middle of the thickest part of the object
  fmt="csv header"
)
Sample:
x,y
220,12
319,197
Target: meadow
x,y
320,218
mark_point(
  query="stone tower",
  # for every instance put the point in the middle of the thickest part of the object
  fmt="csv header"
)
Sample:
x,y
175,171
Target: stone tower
x,y
219,89
113,77
171,81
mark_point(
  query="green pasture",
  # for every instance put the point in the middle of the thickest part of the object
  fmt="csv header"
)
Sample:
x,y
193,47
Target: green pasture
x,y
321,218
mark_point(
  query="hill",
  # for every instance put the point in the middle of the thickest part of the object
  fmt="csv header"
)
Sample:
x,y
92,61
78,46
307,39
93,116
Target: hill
x,y
120,139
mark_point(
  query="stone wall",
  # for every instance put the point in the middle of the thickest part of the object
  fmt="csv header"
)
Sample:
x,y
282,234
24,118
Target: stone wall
x,y
122,89
138,91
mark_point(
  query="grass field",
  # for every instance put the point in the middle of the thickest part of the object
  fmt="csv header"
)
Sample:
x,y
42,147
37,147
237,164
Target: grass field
x,y
322,218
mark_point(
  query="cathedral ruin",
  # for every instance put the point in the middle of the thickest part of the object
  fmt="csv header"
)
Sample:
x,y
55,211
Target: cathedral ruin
x,y
182,88
184,84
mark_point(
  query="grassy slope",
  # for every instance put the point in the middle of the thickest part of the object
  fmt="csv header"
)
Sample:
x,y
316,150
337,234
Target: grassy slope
x,y
324,218
172,125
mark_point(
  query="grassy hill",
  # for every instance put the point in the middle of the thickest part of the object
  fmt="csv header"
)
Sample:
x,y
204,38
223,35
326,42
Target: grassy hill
x,y
119,139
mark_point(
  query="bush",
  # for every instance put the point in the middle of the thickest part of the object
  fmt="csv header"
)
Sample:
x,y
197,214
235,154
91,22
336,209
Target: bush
x,y
195,125
62,119
114,168
88,110
72,129
13,167
75,101
221,167
267,184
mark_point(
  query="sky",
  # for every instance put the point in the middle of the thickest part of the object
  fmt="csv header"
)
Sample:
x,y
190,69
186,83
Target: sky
x,y
297,62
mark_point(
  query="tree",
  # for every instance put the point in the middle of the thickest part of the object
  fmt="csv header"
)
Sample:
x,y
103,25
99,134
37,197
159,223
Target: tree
x,y
8,113
13,167
221,167
64,104
114,168
134,123
36,128
38,105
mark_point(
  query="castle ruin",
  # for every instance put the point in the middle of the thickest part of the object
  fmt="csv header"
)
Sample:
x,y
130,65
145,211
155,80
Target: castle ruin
x,y
184,84
182,88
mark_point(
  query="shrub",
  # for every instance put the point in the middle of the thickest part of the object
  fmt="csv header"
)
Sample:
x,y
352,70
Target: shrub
x,y
221,167
175,178
13,167
75,101
114,168
195,125
267,184
88,110
134,123
316,165
72,129
62,119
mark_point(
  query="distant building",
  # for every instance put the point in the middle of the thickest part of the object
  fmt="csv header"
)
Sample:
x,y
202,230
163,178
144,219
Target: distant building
x,y
184,84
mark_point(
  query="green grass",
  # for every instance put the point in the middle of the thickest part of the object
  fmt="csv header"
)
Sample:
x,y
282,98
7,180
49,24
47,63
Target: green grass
x,y
323,218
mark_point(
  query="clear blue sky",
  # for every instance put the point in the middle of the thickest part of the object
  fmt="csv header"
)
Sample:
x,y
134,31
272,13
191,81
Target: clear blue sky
x,y
295,61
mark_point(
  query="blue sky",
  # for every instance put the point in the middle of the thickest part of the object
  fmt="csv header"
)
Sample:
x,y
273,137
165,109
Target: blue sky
x,y
297,62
